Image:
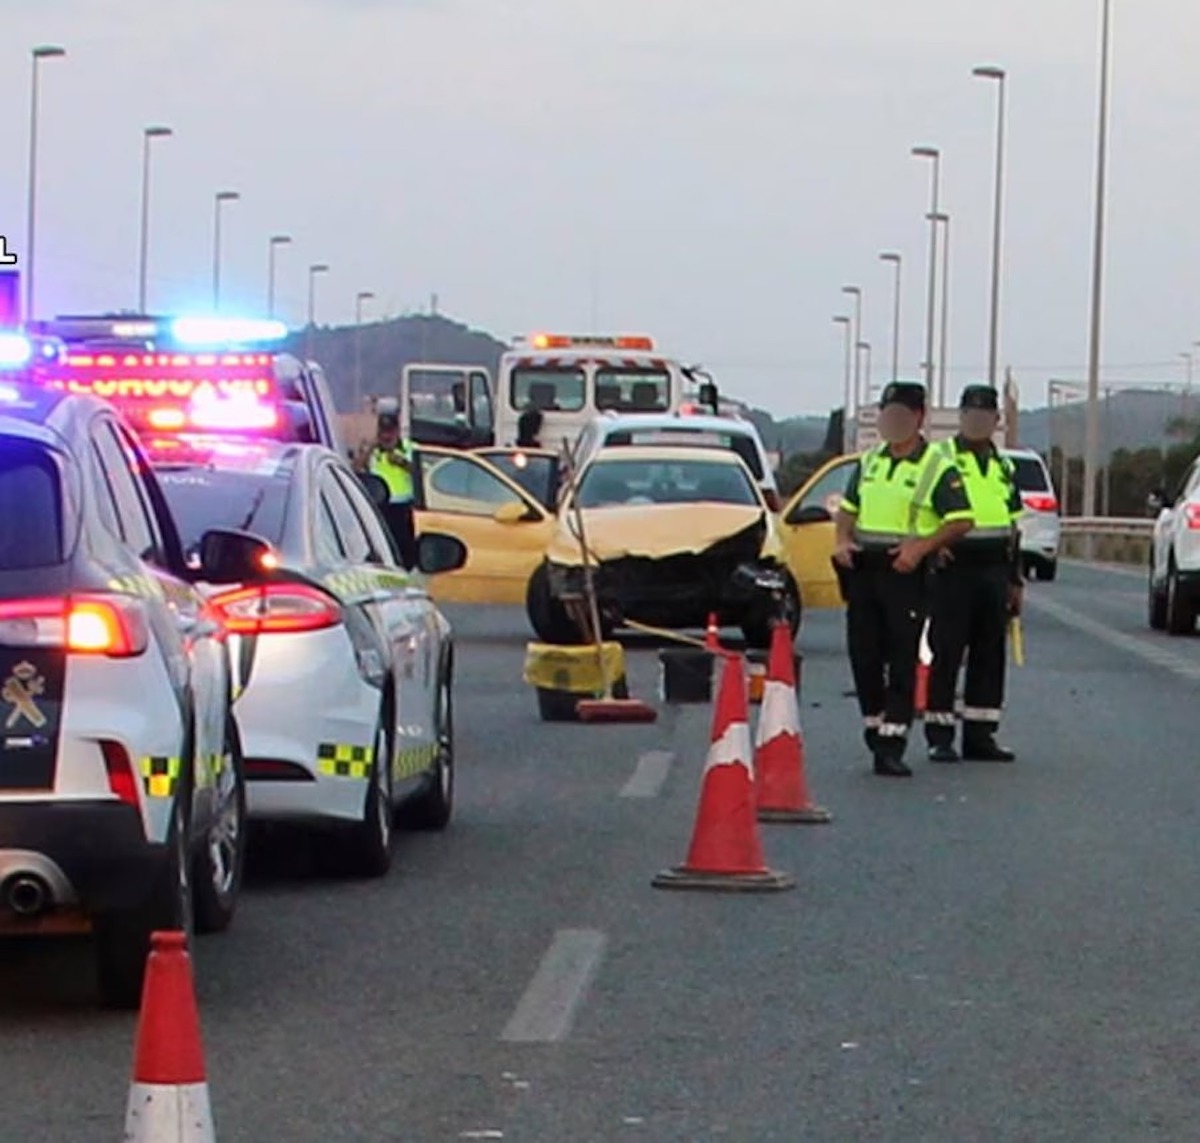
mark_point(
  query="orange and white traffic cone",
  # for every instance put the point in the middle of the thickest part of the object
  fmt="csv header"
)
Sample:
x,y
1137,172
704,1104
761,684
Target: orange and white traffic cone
x,y
924,664
779,775
168,1097
726,850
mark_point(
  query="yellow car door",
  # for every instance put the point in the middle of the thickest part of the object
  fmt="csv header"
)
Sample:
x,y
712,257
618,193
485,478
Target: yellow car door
x,y
504,528
806,524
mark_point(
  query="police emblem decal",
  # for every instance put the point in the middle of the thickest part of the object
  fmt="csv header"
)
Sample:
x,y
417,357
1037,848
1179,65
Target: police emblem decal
x,y
21,692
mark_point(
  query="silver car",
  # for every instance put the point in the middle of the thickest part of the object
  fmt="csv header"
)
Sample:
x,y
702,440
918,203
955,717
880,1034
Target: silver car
x,y
1041,525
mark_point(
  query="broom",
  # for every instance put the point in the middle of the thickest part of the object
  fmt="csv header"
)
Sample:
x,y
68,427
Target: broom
x,y
606,709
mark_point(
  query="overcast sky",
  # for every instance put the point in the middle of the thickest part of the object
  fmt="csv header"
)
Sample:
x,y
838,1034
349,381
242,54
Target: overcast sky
x,y
707,171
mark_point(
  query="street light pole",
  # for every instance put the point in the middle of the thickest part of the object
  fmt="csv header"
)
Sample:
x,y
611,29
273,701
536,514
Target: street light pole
x,y
276,240
149,134
935,156
864,347
220,199
45,52
1091,446
856,293
359,298
999,76
313,270
848,381
943,219
897,261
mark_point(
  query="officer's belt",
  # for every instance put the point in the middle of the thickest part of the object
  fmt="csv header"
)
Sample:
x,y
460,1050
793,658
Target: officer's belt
x,y
985,551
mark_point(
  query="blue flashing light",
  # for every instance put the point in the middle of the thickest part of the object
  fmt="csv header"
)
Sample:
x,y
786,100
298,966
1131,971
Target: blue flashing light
x,y
215,332
16,350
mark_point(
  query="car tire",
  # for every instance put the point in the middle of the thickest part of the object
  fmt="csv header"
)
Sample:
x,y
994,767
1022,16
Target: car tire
x,y
1047,570
217,876
123,937
433,808
369,845
1181,613
548,617
1157,601
759,628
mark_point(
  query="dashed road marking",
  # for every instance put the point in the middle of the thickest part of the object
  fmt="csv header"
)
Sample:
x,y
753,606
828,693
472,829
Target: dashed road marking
x,y
1142,648
652,770
545,1012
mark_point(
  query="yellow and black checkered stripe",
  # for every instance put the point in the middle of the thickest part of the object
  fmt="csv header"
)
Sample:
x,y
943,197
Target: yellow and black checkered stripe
x,y
145,586
336,761
161,776
356,583
415,760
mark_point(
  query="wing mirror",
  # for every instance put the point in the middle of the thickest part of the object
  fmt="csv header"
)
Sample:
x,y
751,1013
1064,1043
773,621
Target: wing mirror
x,y
809,514
514,512
235,557
437,553
376,487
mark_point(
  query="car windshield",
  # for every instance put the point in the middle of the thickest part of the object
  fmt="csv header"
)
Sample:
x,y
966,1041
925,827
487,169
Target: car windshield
x,y
633,390
535,473
739,443
551,390
31,508
1031,474
438,395
609,483
201,499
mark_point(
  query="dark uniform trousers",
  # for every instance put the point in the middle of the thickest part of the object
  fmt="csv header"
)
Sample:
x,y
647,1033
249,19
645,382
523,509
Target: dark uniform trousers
x,y
968,611
399,517
885,613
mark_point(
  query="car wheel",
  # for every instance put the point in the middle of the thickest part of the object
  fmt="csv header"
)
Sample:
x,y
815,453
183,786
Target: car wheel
x,y
548,617
434,806
1181,615
370,842
1157,602
1048,570
759,628
123,938
218,873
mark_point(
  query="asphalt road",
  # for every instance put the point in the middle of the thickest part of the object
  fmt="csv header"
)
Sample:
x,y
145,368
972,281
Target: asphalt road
x,y
985,952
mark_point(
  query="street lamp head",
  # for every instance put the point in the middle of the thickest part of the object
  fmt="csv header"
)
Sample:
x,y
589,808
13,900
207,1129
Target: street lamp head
x,y
842,319
364,295
853,290
937,216
989,72
318,268
48,52
228,196
864,345
280,239
890,257
158,132
926,153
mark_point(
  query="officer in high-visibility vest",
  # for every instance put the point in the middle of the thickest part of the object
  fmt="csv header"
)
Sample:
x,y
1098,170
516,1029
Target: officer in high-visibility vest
x,y
391,459
977,589
904,503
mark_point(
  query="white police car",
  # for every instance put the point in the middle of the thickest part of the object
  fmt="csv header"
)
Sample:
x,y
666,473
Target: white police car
x,y
122,803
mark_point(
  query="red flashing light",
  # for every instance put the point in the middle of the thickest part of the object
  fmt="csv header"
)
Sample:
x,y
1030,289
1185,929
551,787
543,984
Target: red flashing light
x,y
275,608
165,420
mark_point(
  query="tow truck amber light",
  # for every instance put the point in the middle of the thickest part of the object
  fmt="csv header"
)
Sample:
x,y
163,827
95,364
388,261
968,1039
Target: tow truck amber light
x,y
275,608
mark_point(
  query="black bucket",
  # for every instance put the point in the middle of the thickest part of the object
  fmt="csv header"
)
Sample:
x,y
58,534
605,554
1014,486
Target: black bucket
x,y
687,675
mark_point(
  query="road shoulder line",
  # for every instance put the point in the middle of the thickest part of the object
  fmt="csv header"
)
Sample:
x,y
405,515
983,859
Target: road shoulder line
x,y
545,1013
652,770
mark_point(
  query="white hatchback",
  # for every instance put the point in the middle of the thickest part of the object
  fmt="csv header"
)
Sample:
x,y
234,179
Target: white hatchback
x,y
1041,524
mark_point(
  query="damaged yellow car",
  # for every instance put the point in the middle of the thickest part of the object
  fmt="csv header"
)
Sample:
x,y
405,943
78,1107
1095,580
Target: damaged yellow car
x,y
674,534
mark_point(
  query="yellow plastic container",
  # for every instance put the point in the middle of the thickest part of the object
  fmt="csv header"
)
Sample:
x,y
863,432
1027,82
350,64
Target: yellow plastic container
x,y
574,670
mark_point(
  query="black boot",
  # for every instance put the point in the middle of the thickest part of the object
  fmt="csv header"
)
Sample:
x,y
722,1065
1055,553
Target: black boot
x,y
986,749
943,752
889,762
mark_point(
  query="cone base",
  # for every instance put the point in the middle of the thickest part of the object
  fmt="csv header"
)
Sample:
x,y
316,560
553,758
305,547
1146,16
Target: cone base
x,y
810,815
683,878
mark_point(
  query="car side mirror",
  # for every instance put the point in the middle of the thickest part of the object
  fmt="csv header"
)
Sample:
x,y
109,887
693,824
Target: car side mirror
x,y
809,514
514,512
235,557
708,396
376,487
438,553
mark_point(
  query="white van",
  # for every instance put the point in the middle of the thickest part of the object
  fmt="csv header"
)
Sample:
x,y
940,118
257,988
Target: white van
x,y
1041,525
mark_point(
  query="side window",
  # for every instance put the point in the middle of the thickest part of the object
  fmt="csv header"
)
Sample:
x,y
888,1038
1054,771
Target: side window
x,y
462,486
481,402
135,524
325,531
826,493
353,538
381,548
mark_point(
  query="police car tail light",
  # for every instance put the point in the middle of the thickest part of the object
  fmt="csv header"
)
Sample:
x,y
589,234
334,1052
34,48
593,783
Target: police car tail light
x,y
90,625
119,766
276,608
1040,502
1191,514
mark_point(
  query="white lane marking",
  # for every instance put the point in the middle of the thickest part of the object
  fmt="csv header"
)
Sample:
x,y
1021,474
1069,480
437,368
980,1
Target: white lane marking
x,y
548,1007
652,770
1142,648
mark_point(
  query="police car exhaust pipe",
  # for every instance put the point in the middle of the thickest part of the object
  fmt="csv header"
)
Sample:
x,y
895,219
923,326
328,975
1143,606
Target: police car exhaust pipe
x,y
27,895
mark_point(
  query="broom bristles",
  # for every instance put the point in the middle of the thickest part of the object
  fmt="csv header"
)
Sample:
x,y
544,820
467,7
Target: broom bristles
x,y
615,710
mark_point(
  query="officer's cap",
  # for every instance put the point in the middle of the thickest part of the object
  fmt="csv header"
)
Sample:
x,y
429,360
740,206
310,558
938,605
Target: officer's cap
x,y
911,394
387,421
980,397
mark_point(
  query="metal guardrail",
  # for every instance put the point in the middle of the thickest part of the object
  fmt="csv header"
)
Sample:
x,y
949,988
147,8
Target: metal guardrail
x,y
1132,527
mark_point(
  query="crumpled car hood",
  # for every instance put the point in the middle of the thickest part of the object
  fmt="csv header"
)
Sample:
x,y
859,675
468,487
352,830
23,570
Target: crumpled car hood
x,y
653,532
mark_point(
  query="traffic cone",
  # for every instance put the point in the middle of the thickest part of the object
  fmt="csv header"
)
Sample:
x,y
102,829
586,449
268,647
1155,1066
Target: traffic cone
x,y
726,851
712,633
779,775
924,663
168,1096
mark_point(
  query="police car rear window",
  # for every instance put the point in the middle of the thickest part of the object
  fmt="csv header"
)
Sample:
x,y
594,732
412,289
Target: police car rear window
x,y
31,508
202,499
1031,476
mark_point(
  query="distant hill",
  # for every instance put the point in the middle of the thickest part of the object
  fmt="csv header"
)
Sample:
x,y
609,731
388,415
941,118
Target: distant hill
x,y
1129,419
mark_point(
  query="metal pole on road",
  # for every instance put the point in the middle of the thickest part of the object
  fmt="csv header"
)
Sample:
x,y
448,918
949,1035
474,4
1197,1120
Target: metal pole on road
x,y
220,199
313,270
999,75
848,393
897,261
273,244
864,347
45,52
1091,447
942,219
359,298
148,136
935,155
856,293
